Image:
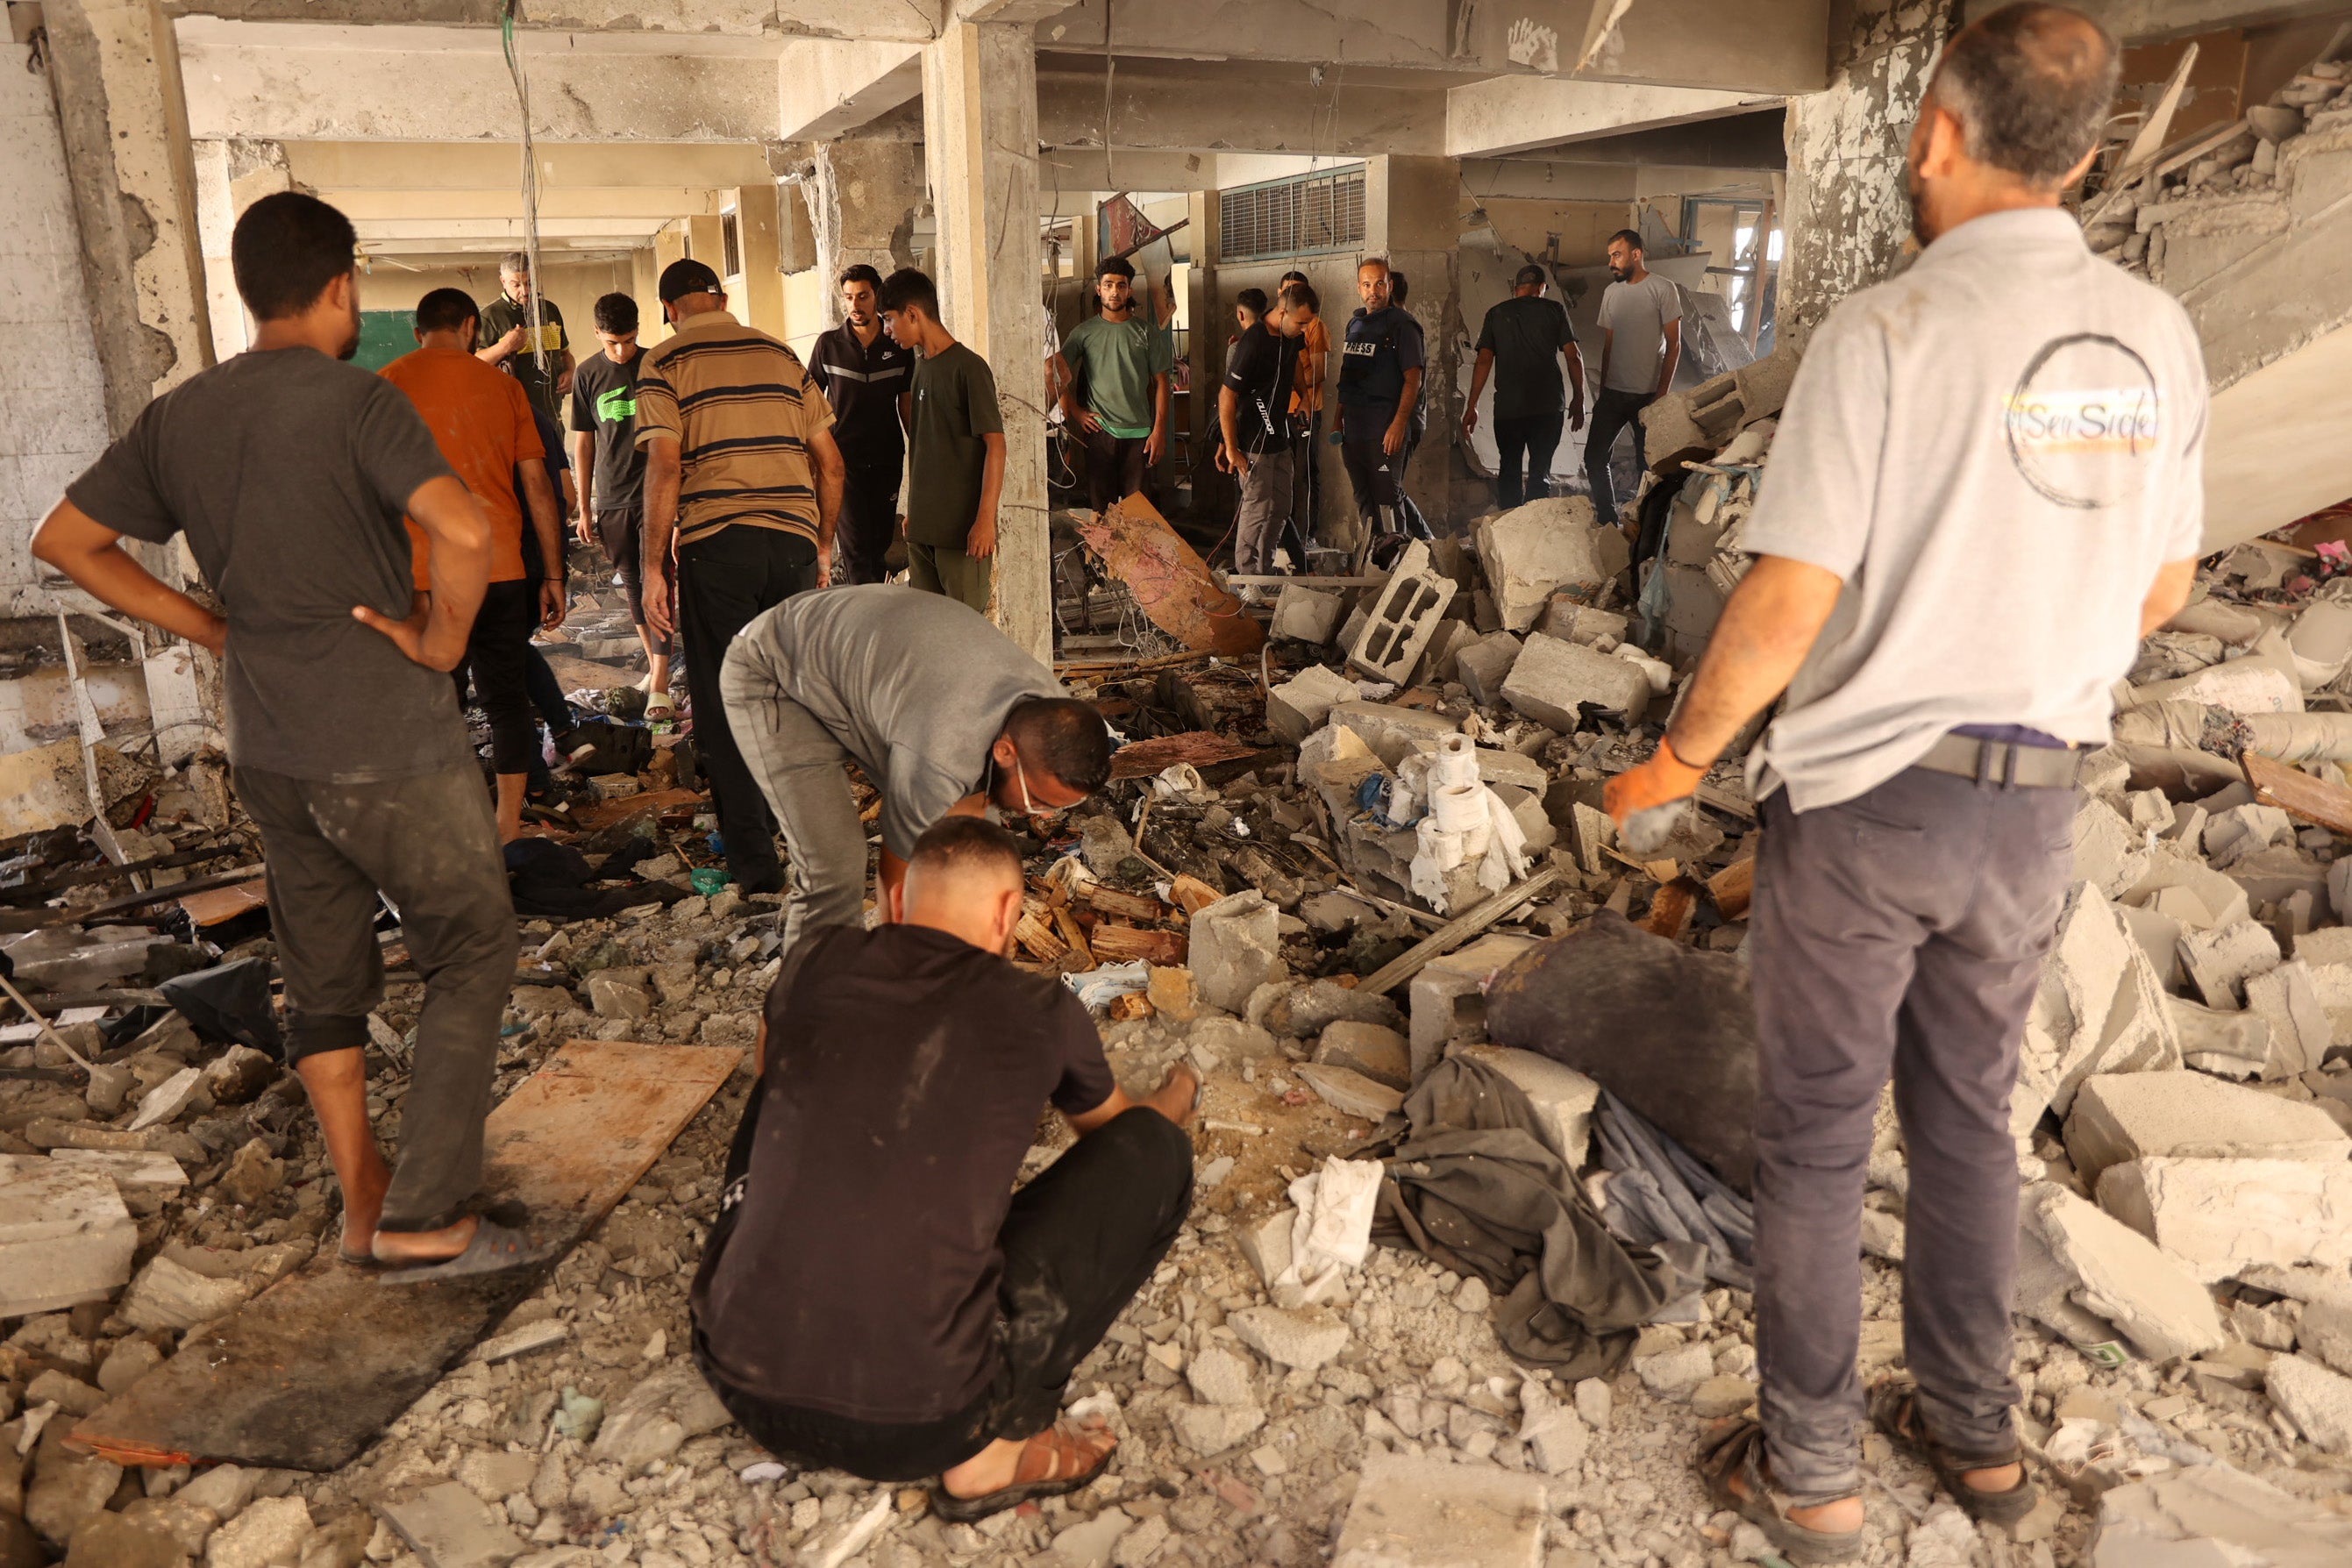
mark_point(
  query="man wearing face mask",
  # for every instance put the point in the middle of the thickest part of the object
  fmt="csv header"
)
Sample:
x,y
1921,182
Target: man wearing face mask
x,y
943,712
1986,488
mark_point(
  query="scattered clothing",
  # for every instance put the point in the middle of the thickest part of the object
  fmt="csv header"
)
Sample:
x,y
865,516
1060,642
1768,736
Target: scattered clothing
x,y
548,879
1657,1193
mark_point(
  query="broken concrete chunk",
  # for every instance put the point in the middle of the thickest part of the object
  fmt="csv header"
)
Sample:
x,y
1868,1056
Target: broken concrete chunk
x,y
66,1489
1309,614
2301,1030
2109,853
167,1098
238,1075
449,1526
1430,1513
1295,709
2316,1400
1553,681
1269,1245
1572,621
1562,1098
657,1417
2219,1216
1307,1340
1482,667
65,1237
2220,962
2119,1275
1236,948
170,1295
1210,1429
1392,733
611,998
1351,1093
2190,1115
1530,552
2190,891
2215,1514
1218,1376
1376,1052
2099,1008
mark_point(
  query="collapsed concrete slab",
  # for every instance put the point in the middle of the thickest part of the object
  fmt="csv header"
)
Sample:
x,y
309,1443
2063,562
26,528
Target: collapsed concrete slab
x,y
2120,1275
2209,1516
2192,1115
2219,1216
1393,733
1553,681
66,1237
2100,1008
2319,1401
2300,1031
1297,707
2220,963
1530,552
1430,1513
2109,853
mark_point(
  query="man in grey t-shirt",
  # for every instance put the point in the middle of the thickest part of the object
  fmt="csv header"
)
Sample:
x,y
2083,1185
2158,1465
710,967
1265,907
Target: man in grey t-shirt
x,y
1985,489
1641,344
943,712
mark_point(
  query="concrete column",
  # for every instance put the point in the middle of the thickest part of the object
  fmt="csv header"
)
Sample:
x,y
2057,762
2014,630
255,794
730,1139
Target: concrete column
x,y
1206,310
863,199
1412,210
231,176
644,285
980,140
116,70
759,287
1848,220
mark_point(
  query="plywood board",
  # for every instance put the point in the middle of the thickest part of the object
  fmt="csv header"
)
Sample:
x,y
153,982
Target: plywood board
x,y
212,907
1170,580
311,1371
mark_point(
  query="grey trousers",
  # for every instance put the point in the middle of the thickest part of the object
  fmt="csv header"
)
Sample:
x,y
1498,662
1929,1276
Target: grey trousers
x,y
1265,508
430,844
798,764
1901,930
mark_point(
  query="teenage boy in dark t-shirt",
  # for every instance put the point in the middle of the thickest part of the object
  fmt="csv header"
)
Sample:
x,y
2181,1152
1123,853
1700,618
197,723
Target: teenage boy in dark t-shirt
x,y
875,1298
288,473
869,381
956,465
610,472
1253,415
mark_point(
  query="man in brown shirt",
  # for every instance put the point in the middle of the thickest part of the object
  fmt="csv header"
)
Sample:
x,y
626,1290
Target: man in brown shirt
x,y
741,466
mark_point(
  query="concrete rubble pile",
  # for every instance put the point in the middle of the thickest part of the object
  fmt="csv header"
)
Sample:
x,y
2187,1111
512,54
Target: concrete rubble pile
x,y
1274,899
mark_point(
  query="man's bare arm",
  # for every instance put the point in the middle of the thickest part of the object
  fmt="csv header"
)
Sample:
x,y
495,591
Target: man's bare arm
x,y
546,520
664,473
1392,440
981,539
1767,627
1673,357
1575,359
2168,594
1174,1100
1479,374
583,465
92,555
832,481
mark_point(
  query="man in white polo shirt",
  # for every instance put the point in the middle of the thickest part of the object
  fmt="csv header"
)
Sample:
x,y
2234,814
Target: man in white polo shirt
x,y
1986,488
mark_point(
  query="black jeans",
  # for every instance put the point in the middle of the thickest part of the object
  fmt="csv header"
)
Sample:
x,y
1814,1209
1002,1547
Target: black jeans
x,y
498,662
1611,411
1901,930
1079,1243
1114,467
870,520
1527,442
724,581
553,707
431,845
1305,487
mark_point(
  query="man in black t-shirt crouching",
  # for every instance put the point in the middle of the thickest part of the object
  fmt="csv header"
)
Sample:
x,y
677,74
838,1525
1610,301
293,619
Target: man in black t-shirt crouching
x,y
875,1298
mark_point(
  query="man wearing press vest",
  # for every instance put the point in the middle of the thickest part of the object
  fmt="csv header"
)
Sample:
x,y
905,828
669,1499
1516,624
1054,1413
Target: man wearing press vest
x,y
1380,384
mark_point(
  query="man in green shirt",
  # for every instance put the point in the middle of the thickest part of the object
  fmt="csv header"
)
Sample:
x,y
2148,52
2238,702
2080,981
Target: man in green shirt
x,y
507,340
955,450
1125,358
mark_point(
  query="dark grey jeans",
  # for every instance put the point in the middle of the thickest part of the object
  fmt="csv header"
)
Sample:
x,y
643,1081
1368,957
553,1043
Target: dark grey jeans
x,y
799,766
430,844
1901,930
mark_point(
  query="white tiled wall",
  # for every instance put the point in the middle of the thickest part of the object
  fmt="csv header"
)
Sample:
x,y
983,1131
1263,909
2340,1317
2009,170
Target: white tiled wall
x,y
54,423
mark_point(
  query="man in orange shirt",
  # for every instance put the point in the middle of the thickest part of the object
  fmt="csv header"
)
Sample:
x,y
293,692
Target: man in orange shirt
x,y
1305,421
483,424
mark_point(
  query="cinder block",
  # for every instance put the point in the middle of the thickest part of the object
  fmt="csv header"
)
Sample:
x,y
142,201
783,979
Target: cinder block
x,y
1482,667
1563,1098
1309,614
1236,948
1393,732
1552,681
1295,709
1404,616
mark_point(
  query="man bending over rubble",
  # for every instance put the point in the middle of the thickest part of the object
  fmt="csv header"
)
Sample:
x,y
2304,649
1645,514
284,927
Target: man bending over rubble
x,y
875,1298
288,471
1985,490
946,715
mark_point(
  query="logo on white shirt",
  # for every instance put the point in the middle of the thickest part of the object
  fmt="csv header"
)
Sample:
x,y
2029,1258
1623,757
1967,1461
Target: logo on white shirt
x,y
2084,422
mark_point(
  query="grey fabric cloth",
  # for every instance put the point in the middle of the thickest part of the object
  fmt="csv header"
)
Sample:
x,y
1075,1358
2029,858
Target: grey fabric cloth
x,y
1266,502
430,845
1903,931
798,763
912,685
1473,1186
1657,1193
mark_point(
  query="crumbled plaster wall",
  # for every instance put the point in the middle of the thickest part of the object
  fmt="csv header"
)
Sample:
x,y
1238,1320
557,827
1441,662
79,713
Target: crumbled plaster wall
x,y
57,407
1848,215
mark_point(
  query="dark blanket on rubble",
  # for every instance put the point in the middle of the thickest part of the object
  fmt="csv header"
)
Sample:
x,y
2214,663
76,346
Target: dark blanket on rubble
x,y
1473,1186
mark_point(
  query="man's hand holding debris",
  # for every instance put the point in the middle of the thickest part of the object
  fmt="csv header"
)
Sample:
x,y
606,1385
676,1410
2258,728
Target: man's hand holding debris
x,y
1769,626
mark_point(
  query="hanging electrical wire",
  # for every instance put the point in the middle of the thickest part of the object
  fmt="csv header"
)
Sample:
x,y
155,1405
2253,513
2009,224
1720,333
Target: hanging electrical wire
x,y
506,16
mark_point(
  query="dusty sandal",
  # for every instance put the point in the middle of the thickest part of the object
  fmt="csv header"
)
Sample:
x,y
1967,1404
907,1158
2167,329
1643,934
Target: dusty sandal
x,y
1894,1410
494,1249
1062,1451
1738,1449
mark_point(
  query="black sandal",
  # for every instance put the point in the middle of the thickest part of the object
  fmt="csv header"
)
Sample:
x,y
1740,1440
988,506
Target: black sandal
x,y
493,1249
1894,1411
1736,1448
956,1510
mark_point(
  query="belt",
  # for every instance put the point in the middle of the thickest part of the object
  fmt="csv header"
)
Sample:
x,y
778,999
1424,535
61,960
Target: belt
x,y
1999,762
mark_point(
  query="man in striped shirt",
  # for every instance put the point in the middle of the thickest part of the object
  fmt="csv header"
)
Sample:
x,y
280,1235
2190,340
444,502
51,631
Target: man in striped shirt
x,y
742,468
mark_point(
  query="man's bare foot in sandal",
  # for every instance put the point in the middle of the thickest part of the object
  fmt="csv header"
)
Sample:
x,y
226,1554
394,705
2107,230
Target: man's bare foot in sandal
x,y
393,1247
1832,1517
1010,1471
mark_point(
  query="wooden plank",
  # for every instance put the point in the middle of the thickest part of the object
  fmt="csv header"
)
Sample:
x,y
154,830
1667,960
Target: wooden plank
x,y
1733,887
1454,932
310,1372
1671,910
1307,580
1130,906
217,904
1202,748
2297,794
1118,944
95,912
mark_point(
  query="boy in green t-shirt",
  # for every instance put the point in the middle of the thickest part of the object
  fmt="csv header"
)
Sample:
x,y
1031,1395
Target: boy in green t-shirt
x,y
1126,358
955,450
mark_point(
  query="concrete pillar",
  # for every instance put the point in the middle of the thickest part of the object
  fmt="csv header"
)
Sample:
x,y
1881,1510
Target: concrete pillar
x,y
863,199
231,176
759,289
1412,213
117,72
1206,310
979,139
645,263
1848,220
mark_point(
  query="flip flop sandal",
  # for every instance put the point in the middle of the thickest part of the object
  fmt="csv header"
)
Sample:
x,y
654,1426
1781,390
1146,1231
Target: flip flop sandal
x,y
1736,1448
1894,1410
956,1510
494,1249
